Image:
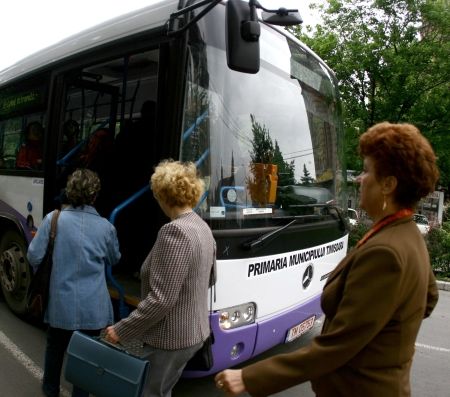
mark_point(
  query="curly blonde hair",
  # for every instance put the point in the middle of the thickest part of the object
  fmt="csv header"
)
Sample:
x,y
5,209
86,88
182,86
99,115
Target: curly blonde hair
x,y
82,187
176,183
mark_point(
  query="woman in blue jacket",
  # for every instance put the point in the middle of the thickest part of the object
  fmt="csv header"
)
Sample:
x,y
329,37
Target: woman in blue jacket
x,y
78,299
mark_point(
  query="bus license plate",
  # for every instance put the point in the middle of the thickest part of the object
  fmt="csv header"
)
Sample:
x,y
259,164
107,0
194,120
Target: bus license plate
x,y
300,329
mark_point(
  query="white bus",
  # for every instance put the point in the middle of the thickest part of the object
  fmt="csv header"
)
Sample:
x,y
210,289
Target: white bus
x,y
214,82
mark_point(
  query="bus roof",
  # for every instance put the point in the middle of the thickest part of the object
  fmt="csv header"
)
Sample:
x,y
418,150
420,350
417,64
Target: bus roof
x,y
122,26
153,16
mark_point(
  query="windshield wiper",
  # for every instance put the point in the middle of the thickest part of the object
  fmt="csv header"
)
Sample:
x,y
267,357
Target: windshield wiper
x,y
267,236
260,240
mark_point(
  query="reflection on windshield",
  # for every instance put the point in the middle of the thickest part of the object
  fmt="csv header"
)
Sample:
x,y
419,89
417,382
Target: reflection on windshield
x,y
268,145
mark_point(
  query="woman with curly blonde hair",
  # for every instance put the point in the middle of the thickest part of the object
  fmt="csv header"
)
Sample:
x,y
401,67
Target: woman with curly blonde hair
x,y
172,317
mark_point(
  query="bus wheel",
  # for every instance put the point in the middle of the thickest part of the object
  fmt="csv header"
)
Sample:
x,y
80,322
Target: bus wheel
x,y
15,274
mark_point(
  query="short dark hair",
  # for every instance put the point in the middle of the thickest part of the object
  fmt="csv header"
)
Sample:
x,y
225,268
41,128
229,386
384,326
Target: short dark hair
x,y
34,126
82,187
402,151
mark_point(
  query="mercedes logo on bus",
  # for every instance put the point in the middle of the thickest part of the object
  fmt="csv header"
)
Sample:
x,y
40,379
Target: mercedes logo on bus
x,y
307,276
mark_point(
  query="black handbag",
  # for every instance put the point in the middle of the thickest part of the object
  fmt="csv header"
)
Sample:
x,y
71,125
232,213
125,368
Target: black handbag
x,y
38,291
203,358
103,369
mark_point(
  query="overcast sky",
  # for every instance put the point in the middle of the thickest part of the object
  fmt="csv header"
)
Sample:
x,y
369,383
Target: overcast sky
x,y
27,26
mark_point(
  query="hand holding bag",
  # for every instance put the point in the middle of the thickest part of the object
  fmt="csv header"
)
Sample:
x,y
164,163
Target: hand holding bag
x,y
38,290
102,369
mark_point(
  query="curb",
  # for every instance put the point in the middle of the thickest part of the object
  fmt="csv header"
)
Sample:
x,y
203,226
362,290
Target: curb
x,y
443,285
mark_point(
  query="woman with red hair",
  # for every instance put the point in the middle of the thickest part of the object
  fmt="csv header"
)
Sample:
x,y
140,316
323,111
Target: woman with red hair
x,y
375,299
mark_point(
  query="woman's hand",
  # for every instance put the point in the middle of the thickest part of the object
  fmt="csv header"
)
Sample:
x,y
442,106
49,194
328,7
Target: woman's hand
x,y
230,381
111,335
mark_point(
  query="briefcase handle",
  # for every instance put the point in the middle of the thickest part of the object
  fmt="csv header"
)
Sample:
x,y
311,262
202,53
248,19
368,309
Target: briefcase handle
x,y
117,346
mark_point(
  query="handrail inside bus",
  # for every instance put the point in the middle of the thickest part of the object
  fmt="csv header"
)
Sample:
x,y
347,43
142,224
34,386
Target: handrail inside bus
x,y
203,198
192,128
222,201
65,160
127,202
123,309
202,158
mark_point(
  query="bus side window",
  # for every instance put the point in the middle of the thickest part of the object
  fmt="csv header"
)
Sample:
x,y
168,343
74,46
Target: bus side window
x,y
10,140
29,155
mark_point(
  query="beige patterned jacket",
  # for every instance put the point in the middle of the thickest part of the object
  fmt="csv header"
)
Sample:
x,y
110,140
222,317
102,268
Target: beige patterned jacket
x,y
173,312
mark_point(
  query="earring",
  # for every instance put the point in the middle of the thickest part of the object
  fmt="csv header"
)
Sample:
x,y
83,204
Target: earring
x,y
384,203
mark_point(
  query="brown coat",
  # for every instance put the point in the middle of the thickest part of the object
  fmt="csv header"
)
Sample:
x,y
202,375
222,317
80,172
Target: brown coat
x,y
374,303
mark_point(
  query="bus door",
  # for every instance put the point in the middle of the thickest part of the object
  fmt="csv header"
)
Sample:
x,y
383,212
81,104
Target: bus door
x,y
116,99
87,131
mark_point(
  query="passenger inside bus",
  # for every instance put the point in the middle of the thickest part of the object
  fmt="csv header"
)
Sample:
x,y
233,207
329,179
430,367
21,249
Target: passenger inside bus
x,y
71,136
29,155
97,152
94,154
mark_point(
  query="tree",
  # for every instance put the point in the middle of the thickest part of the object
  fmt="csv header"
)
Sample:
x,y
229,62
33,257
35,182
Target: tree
x,y
306,178
391,59
262,144
286,170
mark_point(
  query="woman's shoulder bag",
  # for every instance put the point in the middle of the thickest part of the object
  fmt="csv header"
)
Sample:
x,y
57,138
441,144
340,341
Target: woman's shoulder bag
x,y
39,287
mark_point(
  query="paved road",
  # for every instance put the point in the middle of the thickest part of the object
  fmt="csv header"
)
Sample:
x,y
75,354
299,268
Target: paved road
x,y
22,350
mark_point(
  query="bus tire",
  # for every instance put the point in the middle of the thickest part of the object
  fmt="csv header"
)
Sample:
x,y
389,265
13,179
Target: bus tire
x,y
15,272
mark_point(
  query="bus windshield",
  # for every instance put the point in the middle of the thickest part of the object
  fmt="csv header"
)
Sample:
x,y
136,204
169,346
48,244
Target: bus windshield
x,y
265,143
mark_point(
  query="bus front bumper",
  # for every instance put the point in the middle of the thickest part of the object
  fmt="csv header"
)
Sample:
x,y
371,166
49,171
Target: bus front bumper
x,y
232,347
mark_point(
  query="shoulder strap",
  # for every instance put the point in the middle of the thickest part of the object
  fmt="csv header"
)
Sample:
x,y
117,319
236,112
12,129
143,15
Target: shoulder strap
x,y
54,225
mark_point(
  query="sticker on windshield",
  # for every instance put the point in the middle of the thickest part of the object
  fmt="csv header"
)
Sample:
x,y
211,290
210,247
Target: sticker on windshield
x,y
256,211
217,212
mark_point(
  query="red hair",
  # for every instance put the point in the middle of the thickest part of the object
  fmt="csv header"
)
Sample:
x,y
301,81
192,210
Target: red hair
x,y
402,151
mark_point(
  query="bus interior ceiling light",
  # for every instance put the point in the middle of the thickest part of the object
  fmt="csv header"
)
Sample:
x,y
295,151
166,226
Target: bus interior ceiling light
x,y
237,316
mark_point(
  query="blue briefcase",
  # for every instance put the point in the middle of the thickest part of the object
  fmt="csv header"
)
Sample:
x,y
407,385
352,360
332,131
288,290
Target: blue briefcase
x,y
102,369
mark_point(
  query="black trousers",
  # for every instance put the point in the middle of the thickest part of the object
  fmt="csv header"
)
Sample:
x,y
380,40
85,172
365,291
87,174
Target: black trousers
x,y
57,342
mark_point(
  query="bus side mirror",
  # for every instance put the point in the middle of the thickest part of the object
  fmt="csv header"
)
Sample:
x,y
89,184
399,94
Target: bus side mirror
x,y
242,37
282,17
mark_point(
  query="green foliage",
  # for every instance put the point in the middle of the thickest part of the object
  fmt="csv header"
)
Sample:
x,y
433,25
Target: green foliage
x,y
263,149
392,61
266,151
356,233
286,170
438,243
306,179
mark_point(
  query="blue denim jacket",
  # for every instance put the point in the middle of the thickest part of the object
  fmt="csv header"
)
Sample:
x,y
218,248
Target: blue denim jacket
x,y
85,242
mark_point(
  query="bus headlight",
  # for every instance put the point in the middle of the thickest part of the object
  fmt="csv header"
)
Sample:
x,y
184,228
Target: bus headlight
x,y
237,316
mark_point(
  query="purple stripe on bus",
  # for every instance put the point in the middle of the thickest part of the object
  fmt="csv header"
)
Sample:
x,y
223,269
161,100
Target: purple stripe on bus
x,y
255,338
274,330
9,212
